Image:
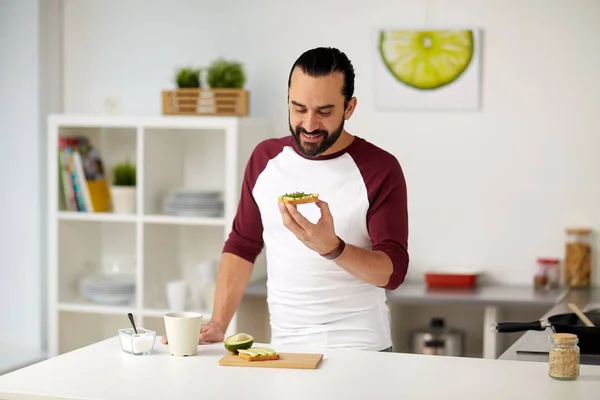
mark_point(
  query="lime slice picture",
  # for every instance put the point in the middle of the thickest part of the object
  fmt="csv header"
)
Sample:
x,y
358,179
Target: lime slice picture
x,y
426,60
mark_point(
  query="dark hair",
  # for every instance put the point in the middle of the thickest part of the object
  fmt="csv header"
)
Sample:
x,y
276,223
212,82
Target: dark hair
x,y
323,61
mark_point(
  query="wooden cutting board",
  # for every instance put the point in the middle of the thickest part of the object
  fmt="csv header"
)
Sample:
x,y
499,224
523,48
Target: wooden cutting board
x,y
286,360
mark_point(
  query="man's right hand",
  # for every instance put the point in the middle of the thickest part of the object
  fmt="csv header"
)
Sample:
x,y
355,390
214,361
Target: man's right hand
x,y
209,333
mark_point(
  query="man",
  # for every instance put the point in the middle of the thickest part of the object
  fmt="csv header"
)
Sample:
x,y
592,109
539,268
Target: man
x,y
328,263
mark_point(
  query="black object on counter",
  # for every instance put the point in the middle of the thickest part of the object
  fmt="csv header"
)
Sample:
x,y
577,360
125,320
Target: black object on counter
x,y
589,337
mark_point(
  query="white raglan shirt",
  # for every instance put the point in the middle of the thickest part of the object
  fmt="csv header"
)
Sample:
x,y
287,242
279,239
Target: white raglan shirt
x,y
313,301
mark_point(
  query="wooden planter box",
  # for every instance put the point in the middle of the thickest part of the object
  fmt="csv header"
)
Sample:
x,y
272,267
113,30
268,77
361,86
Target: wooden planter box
x,y
205,102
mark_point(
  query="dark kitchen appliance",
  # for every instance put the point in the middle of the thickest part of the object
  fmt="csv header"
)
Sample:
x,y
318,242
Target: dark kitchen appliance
x,y
437,339
589,337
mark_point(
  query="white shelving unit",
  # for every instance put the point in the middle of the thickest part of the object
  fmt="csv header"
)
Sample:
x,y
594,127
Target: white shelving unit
x,y
170,152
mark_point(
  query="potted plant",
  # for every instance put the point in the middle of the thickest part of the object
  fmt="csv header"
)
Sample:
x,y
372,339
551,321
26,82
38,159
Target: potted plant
x,y
223,74
123,189
188,77
185,97
226,80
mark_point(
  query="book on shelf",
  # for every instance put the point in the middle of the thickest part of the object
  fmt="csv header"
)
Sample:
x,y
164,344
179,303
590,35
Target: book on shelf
x,y
84,186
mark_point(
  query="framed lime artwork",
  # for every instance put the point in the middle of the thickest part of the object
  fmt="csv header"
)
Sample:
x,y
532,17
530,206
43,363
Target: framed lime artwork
x,y
427,69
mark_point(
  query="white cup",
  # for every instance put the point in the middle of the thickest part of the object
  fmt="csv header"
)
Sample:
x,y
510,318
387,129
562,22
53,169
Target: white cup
x,y
183,332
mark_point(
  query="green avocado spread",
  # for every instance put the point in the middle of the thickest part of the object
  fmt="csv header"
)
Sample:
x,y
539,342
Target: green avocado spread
x,y
296,195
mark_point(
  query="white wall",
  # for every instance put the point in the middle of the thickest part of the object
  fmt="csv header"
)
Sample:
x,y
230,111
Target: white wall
x,y
29,66
492,189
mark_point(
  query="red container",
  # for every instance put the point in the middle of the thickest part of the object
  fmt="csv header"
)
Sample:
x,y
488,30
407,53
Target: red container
x,y
450,280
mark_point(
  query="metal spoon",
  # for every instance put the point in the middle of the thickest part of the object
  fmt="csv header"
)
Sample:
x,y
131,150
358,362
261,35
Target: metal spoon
x,y
132,323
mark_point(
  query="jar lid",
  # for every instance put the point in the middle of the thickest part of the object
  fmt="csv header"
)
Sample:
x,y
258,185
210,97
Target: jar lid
x,y
579,231
543,260
564,337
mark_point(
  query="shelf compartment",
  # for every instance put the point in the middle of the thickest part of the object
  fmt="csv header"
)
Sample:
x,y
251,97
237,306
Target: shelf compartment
x,y
114,144
79,329
173,252
84,182
191,159
86,248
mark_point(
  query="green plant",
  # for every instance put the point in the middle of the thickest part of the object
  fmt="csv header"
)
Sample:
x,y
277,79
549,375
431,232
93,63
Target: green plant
x,y
124,174
226,74
188,77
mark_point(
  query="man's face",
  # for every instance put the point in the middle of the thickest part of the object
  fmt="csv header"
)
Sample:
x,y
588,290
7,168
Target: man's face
x,y
316,111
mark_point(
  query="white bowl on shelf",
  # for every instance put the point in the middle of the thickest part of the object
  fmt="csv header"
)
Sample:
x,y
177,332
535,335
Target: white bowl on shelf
x,y
109,289
194,203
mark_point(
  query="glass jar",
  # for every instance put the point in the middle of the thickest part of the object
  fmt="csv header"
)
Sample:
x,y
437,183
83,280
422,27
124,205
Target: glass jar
x,y
546,277
564,357
578,258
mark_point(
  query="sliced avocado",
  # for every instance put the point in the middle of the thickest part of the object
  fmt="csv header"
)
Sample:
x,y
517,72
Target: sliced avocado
x,y
239,341
250,352
264,351
259,351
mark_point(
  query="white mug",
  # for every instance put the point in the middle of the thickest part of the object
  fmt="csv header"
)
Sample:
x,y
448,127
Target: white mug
x,y
183,332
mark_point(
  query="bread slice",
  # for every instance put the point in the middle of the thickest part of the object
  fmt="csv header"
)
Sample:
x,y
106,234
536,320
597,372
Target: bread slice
x,y
259,358
299,198
258,354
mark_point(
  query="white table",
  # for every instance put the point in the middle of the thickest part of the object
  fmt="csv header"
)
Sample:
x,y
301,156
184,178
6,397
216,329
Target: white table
x,y
102,371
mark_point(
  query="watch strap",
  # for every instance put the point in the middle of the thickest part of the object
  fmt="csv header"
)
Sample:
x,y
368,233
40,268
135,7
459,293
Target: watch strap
x,y
335,253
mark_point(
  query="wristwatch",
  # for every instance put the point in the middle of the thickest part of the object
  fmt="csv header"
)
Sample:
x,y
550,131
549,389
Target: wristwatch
x,y
335,253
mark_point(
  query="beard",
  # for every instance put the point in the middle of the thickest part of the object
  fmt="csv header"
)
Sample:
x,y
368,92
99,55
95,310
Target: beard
x,y
314,149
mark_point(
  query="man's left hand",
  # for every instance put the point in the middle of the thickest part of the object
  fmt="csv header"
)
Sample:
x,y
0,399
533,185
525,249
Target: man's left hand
x,y
319,237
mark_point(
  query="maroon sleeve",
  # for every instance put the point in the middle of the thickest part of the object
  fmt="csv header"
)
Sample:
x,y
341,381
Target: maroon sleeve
x,y
245,239
387,218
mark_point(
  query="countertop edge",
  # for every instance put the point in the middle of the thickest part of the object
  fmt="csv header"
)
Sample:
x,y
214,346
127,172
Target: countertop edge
x,y
414,292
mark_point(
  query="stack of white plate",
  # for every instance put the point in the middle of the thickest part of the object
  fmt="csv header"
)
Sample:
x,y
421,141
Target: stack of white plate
x,y
109,289
194,203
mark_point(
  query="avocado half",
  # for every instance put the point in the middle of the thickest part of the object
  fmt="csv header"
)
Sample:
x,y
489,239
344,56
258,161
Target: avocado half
x,y
239,341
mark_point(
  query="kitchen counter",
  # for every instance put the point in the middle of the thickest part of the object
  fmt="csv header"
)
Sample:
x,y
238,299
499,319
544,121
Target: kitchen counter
x,y
487,295
102,371
583,298
490,297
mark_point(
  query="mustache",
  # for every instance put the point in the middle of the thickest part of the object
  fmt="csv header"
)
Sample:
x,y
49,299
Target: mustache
x,y
300,130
